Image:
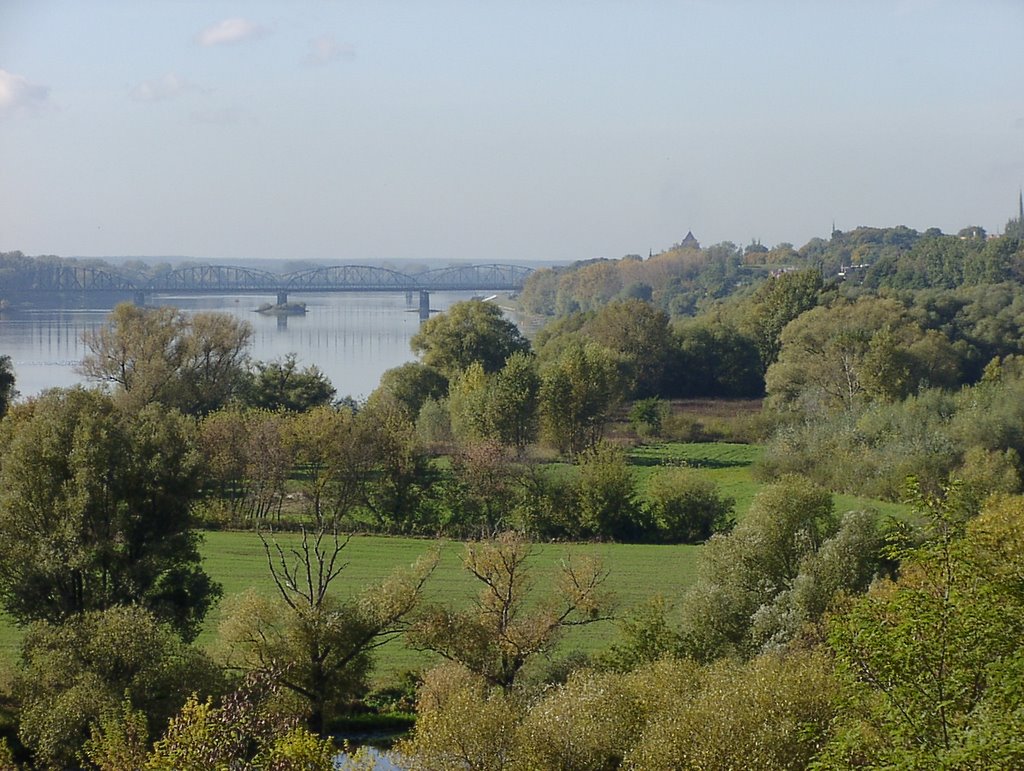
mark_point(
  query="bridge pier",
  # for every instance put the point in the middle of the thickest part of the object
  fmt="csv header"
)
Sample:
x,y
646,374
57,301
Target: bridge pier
x,y
139,298
424,305
282,298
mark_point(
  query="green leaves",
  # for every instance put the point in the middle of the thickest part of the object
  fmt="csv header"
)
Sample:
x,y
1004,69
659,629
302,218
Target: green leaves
x,y
468,332
94,511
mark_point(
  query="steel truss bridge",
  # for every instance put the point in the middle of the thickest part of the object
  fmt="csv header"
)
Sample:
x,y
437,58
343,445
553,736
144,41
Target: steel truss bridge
x,y
226,279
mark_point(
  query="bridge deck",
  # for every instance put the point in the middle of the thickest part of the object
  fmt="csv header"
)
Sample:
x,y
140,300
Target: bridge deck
x,y
225,278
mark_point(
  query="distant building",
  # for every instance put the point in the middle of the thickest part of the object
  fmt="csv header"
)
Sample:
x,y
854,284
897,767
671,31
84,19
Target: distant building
x,y
689,242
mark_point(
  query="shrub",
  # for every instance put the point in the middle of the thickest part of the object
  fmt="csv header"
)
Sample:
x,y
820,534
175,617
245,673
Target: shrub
x,y
686,507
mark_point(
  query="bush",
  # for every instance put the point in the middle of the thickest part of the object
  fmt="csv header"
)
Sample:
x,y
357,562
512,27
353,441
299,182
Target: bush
x,y
647,416
686,507
605,495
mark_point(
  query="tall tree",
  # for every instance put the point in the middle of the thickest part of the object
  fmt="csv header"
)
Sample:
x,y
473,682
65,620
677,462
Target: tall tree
x,y
512,401
468,332
94,511
640,336
776,303
578,391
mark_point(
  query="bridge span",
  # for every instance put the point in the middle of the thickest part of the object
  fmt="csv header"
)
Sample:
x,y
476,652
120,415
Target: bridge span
x,y
49,278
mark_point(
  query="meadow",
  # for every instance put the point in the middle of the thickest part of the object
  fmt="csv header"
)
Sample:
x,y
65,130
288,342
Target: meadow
x,y
237,560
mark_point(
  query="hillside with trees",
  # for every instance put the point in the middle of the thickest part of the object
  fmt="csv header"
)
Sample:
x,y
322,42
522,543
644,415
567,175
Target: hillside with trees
x,y
882,362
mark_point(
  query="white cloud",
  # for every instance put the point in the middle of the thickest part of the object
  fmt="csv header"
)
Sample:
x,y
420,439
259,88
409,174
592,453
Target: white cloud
x,y
232,30
20,95
326,49
158,89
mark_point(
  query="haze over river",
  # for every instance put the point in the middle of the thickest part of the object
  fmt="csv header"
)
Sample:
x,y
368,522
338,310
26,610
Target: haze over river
x,y
353,337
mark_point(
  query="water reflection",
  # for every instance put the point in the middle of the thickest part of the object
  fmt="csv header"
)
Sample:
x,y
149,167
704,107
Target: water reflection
x,y
352,337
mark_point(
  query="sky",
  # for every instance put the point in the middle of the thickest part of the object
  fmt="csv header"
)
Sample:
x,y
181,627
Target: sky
x,y
499,131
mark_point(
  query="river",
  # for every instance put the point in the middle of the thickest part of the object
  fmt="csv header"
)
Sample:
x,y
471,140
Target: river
x,y
353,337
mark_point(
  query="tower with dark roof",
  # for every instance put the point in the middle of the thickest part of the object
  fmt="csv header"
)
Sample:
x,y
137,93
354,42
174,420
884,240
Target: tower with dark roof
x,y
689,242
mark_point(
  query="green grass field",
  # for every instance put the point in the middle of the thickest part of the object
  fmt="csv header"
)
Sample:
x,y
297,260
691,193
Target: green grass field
x,y
636,572
238,562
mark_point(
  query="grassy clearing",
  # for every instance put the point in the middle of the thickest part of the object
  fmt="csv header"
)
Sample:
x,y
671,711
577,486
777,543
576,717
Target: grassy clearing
x,y
636,572
237,560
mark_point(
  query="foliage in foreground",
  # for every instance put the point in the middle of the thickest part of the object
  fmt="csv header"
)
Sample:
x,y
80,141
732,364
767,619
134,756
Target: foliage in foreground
x,y
244,731
932,662
75,672
773,713
314,646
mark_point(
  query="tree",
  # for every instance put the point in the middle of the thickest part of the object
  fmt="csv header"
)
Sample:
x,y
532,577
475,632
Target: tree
x,y
578,391
213,370
640,337
605,495
94,511
313,644
396,492
326,445
716,359
7,391
74,672
468,332
507,627
482,489
467,393
222,439
776,303
281,385
161,355
511,402
499,407
870,349
412,384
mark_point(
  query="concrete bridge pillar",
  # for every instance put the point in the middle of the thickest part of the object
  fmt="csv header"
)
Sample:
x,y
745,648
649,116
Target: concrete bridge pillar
x,y
139,298
282,298
424,305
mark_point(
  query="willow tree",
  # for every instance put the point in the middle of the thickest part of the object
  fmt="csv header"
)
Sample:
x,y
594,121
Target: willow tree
x,y
195,363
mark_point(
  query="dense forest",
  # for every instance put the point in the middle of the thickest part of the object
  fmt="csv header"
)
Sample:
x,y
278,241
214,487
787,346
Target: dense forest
x,y
885,362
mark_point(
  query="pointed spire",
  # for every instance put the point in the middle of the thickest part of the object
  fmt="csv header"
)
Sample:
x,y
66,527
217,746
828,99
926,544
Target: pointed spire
x,y
1020,206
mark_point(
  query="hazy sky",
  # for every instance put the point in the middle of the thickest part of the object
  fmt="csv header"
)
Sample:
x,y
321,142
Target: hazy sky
x,y
497,131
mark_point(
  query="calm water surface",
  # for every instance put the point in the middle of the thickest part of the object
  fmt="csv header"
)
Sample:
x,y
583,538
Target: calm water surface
x,y
352,337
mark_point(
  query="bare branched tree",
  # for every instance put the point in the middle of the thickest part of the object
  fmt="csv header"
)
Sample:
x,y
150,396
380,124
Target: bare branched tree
x,y
506,628
319,644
